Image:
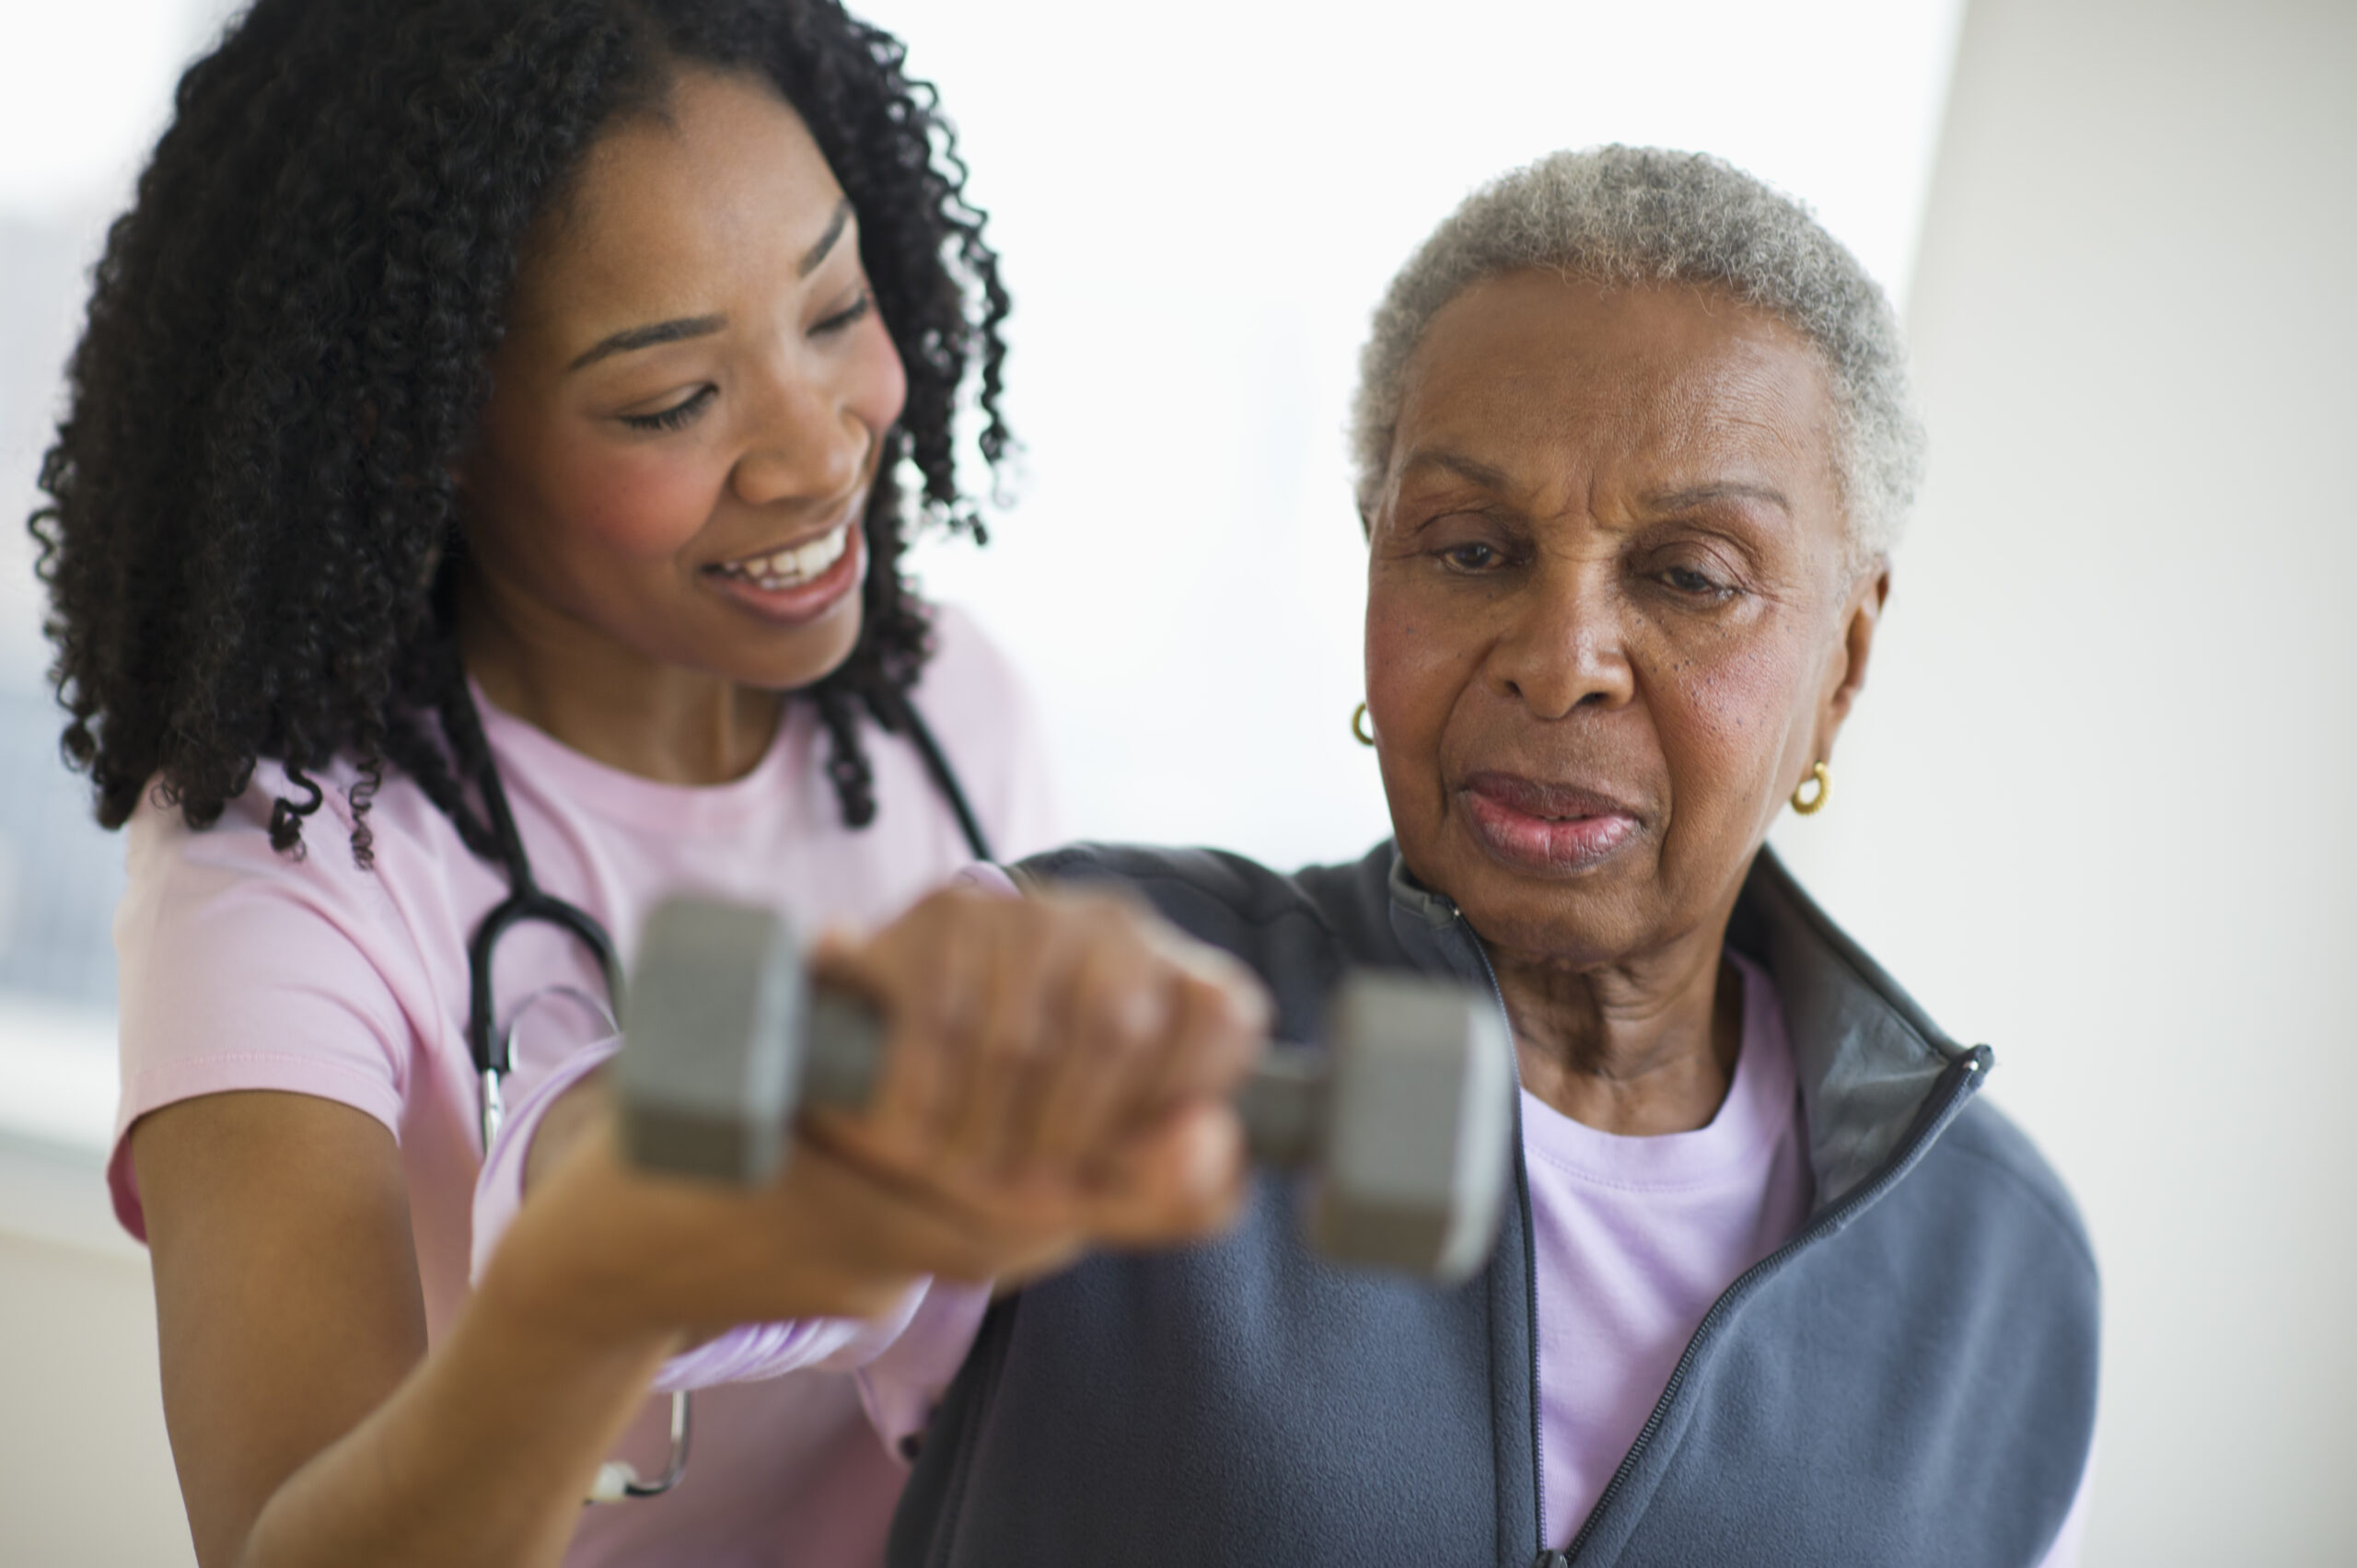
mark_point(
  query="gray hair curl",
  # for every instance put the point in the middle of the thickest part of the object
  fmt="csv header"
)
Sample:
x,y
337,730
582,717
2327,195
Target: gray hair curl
x,y
1643,214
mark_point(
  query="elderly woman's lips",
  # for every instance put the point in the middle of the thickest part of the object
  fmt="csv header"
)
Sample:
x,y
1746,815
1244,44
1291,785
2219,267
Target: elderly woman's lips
x,y
1542,826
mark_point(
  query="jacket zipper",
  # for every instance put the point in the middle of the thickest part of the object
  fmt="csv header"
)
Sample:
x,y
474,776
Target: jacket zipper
x,y
1545,1559
1962,1076
953,1496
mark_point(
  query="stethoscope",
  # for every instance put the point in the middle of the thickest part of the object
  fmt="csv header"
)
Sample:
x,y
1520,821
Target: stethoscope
x,y
494,1052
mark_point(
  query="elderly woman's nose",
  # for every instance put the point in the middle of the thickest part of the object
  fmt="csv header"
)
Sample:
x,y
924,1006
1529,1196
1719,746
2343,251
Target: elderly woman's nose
x,y
1566,649
804,442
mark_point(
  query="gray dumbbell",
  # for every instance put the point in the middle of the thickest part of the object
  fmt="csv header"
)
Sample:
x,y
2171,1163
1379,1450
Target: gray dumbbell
x,y
1406,1118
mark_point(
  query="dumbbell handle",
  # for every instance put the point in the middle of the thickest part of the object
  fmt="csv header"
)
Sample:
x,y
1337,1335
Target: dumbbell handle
x,y
1281,1104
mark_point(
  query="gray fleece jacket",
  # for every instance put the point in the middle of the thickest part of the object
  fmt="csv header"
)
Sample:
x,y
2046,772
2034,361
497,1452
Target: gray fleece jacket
x,y
1910,1380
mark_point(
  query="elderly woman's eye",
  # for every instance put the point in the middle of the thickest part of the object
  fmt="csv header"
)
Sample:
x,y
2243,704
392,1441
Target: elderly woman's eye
x,y
1687,580
1472,557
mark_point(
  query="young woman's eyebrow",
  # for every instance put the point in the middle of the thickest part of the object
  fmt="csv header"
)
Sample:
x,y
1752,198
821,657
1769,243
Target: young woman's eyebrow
x,y
699,326
647,337
817,253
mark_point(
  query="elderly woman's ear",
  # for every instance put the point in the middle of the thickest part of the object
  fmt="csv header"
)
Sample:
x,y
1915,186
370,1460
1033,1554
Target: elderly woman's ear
x,y
1845,674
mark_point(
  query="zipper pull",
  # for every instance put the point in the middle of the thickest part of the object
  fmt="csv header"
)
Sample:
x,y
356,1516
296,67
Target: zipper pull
x,y
1551,1559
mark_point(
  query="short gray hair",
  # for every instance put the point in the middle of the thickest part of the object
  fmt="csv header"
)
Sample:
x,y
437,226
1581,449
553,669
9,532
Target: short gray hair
x,y
1643,214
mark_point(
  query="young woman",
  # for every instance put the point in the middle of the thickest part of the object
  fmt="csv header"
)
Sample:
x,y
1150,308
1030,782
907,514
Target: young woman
x,y
478,514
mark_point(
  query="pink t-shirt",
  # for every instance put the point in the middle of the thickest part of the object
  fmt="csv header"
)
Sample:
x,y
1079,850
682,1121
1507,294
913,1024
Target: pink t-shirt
x,y
244,969
1635,1237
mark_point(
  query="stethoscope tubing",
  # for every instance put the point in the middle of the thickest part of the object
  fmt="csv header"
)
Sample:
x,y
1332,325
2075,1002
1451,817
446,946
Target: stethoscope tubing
x,y
493,1053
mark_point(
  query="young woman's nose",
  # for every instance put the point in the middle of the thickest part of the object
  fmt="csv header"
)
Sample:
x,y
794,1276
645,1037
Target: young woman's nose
x,y
1565,647
807,443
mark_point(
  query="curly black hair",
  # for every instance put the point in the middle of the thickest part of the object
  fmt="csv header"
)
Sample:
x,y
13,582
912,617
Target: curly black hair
x,y
252,532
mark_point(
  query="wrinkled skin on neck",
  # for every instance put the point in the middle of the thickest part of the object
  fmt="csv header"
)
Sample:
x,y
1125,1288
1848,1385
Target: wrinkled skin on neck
x,y
1613,620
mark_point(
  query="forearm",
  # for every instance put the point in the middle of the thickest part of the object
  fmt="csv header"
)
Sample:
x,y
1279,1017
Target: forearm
x,y
482,1451
482,1455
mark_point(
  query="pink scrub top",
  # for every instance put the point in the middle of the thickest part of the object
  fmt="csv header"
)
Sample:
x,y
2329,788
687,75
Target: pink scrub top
x,y
243,968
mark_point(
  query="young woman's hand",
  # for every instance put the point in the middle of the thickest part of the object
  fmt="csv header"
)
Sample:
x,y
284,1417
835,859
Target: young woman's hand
x,y
1057,1076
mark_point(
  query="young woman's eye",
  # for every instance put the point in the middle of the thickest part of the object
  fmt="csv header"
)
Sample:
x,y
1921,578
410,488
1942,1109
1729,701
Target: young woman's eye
x,y
851,315
677,414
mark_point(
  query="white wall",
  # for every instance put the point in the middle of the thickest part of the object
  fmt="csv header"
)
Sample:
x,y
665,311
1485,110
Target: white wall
x,y
85,1473
2097,807
2092,809
1199,206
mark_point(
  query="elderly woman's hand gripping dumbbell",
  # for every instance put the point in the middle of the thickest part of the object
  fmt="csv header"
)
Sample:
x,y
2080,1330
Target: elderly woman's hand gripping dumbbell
x,y
1404,1118
1057,1073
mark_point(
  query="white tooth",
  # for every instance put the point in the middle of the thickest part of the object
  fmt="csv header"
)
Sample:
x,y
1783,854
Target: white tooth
x,y
785,567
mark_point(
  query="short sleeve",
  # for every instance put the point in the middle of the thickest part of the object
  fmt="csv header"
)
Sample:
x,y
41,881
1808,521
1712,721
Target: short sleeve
x,y
905,1356
244,969
499,1186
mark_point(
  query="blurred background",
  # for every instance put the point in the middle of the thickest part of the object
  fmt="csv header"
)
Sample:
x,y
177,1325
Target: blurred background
x,y
2095,809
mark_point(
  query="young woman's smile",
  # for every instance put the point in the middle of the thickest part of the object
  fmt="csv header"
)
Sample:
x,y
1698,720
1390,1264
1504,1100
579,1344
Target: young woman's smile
x,y
687,417
802,579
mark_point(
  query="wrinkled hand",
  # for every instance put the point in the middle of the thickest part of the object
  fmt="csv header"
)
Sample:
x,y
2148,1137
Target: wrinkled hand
x,y
1056,1077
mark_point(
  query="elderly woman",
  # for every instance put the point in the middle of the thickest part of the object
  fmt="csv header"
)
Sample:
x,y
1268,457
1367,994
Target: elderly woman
x,y
1633,441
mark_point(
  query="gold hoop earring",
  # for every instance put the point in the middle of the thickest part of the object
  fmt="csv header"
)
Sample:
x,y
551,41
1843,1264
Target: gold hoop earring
x,y
1361,727
1815,803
